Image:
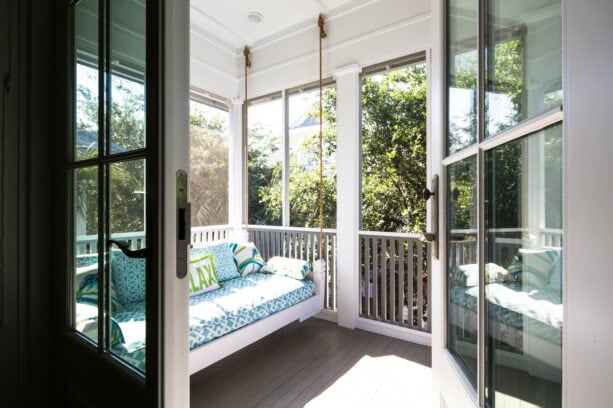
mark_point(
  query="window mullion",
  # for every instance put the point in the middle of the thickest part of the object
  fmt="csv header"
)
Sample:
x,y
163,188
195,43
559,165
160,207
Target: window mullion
x,y
285,212
481,78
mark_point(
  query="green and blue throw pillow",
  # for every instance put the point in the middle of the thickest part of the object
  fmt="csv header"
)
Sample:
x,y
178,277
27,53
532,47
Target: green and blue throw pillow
x,y
202,275
247,258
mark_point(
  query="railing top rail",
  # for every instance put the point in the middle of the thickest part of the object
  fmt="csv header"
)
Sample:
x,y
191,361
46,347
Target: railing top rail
x,y
212,228
94,237
381,234
327,231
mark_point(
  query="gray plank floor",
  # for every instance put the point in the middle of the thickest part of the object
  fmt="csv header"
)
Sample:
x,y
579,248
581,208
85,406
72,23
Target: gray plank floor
x,y
318,364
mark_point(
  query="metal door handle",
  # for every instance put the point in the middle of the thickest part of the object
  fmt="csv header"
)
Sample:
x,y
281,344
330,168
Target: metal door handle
x,y
431,236
125,248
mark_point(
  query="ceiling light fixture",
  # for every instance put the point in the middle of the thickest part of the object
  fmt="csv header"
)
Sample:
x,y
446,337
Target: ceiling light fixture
x,y
255,17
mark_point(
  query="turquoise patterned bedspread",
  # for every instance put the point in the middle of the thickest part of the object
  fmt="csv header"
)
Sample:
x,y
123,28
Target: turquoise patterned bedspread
x,y
240,302
538,313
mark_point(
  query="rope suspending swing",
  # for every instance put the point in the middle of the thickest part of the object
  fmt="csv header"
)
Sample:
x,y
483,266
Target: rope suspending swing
x,y
320,264
246,148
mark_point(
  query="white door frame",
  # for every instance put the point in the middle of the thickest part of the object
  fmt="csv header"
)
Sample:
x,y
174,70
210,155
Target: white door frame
x,y
447,378
175,156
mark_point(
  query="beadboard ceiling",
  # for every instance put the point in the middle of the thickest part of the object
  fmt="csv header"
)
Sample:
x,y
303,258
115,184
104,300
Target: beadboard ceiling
x,y
227,21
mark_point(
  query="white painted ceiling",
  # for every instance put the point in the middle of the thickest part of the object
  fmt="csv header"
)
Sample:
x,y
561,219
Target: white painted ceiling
x,y
226,20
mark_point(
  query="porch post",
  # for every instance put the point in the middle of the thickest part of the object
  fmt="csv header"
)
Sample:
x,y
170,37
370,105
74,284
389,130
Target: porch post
x,y
235,165
348,192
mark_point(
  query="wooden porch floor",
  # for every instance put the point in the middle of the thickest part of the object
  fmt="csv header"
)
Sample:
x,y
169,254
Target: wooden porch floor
x,y
318,364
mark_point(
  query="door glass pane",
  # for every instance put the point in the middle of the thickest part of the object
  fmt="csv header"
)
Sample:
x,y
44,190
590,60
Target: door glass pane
x,y
127,75
127,327
462,59
86,80
85,202
208,164
304,158
524,271
266,162
463,274
523,61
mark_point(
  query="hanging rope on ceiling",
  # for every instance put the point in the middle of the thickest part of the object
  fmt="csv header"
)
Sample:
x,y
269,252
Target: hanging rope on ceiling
x,y
322,35
246,146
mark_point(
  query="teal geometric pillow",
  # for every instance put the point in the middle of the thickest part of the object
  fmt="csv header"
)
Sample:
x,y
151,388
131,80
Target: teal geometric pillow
x,y
128,275
247,258
88,292
222,256
202,276
293,268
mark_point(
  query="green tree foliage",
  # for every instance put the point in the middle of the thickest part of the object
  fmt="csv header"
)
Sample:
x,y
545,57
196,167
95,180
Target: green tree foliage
x,y
394,151
208,181
304,179
265,177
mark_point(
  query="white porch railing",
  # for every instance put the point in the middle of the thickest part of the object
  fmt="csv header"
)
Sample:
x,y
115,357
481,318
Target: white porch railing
x,y
88,244
300,243
212,233
394,279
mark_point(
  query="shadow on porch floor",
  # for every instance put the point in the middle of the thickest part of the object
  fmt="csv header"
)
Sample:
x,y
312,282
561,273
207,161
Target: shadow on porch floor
x,y
318,364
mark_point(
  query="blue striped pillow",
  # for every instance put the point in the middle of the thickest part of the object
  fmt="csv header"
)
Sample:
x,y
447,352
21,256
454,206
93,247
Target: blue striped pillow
x,y
247,258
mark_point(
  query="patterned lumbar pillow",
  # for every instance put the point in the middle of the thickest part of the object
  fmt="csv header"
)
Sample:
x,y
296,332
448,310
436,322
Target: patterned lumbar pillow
x,y
247,258
293,268
202,275
225,267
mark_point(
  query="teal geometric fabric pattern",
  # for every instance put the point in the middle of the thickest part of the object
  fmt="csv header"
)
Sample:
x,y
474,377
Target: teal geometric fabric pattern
x,y
222,255
242,301
202,275
128,275
239,302
247,258
290,267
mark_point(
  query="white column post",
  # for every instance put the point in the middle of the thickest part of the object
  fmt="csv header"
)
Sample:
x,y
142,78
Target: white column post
x,y
348,192
235,165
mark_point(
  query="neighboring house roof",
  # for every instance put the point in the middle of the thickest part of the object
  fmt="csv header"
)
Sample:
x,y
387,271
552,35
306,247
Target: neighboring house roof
x,y
86,139
304,121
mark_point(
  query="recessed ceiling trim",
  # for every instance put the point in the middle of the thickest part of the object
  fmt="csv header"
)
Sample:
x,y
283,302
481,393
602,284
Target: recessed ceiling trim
x,y
210,38
296,29
333,47
212,68
240,39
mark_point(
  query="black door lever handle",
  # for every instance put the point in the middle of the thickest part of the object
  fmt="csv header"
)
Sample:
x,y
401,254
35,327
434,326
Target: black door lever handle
x,y
125,248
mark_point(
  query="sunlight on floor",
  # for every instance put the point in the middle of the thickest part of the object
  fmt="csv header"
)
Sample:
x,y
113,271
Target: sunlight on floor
x,y
508,401
388,381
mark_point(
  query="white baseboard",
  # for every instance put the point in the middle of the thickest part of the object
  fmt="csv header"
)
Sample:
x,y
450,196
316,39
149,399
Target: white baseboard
x,y
329,315
402,333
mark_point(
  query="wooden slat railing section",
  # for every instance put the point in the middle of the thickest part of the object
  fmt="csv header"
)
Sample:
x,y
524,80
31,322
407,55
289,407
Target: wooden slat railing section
x,y
394,279
212,233
300,243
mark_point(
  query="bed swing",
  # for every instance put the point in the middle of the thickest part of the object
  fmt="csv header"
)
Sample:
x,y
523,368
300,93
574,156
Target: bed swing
x,y
235,297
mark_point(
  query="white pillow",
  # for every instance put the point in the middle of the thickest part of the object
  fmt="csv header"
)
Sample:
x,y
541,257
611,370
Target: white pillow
x,y
293,268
